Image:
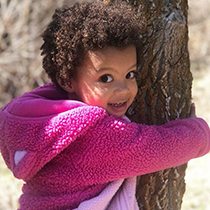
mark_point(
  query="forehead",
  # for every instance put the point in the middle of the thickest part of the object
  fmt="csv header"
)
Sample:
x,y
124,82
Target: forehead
x,y
111,56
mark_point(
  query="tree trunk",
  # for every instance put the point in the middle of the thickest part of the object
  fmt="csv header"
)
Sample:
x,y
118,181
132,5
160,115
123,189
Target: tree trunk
x,y
164,93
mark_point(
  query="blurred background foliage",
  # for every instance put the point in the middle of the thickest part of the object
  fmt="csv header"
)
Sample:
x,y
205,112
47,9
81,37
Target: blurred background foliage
x,y
21,25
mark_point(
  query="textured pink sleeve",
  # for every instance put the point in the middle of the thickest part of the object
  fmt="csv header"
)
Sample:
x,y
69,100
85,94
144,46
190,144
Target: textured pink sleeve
x,y
115,149
101,147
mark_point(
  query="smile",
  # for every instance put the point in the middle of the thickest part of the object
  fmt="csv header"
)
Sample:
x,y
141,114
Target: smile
x,y
117,104
118,109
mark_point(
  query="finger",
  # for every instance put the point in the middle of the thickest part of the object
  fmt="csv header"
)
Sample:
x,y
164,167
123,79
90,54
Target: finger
x,y
192,111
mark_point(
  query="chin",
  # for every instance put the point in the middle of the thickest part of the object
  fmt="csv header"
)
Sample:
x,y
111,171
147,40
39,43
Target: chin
x,y
119,115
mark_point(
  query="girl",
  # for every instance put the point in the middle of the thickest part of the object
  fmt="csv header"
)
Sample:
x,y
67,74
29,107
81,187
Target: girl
x,y
70,140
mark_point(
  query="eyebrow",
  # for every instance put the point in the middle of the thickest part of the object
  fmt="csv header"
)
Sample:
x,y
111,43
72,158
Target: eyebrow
x,y
135,65
112,69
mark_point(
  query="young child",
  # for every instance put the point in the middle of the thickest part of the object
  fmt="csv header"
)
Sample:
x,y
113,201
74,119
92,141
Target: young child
x,y
70,140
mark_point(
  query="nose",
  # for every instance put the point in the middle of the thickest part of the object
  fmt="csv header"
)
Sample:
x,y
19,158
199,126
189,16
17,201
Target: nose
x,y
121,88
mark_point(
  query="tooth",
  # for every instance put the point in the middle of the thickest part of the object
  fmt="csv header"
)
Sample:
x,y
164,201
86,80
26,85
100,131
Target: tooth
x,y
116,104
120,104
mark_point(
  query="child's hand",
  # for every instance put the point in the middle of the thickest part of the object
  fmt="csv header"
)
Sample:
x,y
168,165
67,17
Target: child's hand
x,y
192,110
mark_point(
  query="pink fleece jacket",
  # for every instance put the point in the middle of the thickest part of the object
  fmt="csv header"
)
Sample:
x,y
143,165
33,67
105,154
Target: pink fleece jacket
x,y
68,152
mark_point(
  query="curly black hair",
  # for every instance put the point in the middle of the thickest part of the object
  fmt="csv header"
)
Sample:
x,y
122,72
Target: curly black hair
x,y
84,27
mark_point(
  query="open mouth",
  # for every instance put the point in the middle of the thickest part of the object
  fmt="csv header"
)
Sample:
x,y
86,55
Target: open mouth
x,y
117,104
118,109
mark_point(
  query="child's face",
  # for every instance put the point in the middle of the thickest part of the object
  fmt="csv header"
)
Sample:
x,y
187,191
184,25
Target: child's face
x,y
107,79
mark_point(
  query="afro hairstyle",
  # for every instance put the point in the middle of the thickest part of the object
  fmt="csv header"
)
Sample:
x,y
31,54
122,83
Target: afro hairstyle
x,y
86,27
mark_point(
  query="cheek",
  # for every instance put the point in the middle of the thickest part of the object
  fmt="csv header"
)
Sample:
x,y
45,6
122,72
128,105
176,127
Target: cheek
x,y
96,101
134,89
100,98
93,96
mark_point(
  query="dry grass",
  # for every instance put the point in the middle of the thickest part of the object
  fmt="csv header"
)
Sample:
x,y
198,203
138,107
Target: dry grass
x,y
22,22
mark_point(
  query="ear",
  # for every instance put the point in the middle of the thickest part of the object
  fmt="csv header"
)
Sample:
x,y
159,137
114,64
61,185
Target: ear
x,y
68,87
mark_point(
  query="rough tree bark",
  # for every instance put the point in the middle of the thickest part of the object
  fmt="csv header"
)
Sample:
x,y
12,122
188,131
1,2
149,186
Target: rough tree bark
x,y
164,91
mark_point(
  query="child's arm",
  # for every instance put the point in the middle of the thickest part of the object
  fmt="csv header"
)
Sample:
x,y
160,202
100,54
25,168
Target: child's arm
x,y
116,149
109,147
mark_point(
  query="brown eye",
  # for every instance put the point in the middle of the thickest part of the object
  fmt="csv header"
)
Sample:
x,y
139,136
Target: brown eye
x,y
106,78
131,75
